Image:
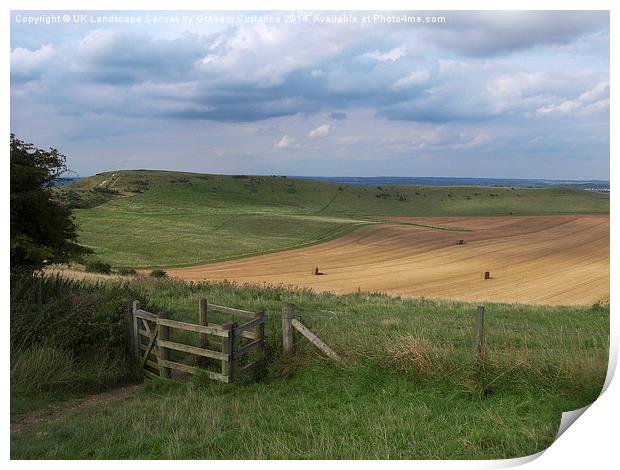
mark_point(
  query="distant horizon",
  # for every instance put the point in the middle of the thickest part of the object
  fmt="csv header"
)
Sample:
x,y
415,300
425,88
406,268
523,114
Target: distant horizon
x,y
341,177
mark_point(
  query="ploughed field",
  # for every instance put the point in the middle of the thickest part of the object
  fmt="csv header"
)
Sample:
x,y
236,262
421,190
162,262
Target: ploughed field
x,y
551,260
541,245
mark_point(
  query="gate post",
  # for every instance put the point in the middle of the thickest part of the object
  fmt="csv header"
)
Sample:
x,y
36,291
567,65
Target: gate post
x,y
288,313
260,331
480,334
163,333
129,327
203,305
136,337
229,347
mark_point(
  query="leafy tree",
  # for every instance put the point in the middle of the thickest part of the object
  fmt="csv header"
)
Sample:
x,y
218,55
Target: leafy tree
x,y
42,230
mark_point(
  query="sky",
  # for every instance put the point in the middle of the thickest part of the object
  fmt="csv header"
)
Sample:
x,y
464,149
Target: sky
x,y
475,94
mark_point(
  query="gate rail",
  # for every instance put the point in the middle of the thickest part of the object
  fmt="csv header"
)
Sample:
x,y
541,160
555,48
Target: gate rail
x,y
151,336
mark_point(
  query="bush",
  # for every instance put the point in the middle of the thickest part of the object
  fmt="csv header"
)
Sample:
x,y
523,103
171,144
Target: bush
x,y
158,273
98,267
42,230
59,324
126,271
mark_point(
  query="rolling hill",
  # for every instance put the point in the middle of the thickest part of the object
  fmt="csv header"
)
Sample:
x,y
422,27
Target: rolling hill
x,y
147,218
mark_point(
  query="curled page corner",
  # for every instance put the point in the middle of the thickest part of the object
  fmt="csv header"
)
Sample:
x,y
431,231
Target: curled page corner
x,y
568,418
516,461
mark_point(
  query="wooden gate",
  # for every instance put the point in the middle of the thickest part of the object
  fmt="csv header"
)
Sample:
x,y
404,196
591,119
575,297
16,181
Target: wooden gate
x,y
222,351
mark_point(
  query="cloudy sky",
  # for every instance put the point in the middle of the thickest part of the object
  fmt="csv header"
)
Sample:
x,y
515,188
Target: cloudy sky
x,y
483,94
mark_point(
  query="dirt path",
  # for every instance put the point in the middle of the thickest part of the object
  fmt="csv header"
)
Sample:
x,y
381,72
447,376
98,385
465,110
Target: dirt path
x,y
39,416
550,260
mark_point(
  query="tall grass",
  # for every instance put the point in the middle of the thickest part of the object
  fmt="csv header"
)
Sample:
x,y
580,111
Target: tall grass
x,y
68,336
556,348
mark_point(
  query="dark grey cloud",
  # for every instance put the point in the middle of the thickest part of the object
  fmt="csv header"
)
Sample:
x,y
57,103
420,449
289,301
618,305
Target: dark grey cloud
x,y
491,33
125,57
245,111
337,116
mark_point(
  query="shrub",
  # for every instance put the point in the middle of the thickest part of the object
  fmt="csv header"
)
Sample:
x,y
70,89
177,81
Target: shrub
x,y
126,271
58,324
42,230
98,267
72,315
158,273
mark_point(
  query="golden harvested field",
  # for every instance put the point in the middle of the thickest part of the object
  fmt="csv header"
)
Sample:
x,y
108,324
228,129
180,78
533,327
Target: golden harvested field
x,y
552,260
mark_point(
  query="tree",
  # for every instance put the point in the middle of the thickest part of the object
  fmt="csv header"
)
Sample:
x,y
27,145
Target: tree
x,y
42,230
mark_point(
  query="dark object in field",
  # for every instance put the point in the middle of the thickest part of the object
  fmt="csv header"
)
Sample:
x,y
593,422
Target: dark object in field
x,y
126,271
487,275
98,267
158,273
460,242
316,272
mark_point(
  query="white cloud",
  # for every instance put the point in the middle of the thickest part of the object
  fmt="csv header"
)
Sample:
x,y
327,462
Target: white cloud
x,y
589,102
265,54
392,55
420,77
479,141
520,90
320,131
283,142
25,62
600,91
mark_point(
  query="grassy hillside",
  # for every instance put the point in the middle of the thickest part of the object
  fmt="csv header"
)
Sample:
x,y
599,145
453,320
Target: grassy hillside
x,y
156,218
409,388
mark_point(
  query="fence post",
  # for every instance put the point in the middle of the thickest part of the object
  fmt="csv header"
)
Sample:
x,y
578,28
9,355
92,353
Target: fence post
x,y
229,347
136,337
202,320
129,326
163,333
288,313
260,331
480,334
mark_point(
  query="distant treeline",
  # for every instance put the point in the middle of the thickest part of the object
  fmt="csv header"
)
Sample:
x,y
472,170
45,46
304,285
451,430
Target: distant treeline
x,y
447,181
426,181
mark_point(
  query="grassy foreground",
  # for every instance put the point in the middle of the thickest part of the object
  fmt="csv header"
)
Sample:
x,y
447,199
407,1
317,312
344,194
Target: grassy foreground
x,y
157,218
410,387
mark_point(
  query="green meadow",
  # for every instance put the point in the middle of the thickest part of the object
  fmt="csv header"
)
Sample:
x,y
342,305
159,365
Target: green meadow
x,y
156,218
410,387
